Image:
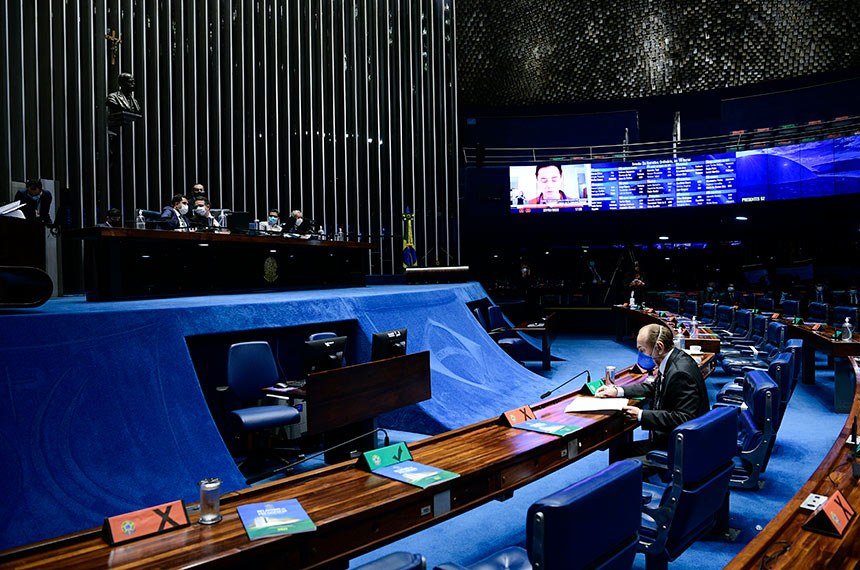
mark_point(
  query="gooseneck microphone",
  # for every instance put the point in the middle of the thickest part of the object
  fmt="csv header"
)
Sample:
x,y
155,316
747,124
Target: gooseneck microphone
x,y
566,382
289,468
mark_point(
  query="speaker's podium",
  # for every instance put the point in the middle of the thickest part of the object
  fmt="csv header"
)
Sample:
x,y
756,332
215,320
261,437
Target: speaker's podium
x,y
343,403
23,282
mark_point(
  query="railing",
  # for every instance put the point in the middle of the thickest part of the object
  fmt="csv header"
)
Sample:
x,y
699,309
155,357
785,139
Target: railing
x,y
733,142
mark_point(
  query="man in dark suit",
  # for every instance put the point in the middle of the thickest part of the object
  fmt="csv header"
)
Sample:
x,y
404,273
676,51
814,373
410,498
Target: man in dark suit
x,y
677,394
175,216
37,202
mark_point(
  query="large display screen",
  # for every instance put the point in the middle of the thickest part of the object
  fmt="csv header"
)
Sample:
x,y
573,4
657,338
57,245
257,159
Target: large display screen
x,y
813,169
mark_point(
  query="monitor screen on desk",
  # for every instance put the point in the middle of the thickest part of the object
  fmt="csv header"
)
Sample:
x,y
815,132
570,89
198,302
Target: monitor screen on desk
x,y
238,222
325,354
388,344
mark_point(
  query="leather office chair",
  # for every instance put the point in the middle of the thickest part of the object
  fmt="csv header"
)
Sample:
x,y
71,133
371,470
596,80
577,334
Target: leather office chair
x,y
725,318
321,336
251,367
817,312
396,561
795,347
481,320
560,527
673,305
510,341
709,313
764,304
839,314
790,308
781,371
774,340
700,462
691,308
737,334
757,427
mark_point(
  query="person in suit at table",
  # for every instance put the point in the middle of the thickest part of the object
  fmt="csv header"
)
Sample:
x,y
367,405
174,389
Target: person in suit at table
x,y
175,216
677,394
113,220
296,224
37,202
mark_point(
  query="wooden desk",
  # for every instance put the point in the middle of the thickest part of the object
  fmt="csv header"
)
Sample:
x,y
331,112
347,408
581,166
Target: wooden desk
x,y
124,263
808,549
355,511
840,351
707,339
546,329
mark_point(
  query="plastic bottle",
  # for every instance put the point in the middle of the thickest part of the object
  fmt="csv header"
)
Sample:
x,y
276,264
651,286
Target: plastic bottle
x,y
679,338
339,236
847,329
321,234
632,303
140,223
694,328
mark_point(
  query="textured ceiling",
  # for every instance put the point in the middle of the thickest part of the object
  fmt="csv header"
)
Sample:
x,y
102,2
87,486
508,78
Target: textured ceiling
x,y
527,52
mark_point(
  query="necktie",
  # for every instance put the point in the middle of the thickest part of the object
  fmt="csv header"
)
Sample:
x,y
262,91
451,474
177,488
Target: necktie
x,y
658,391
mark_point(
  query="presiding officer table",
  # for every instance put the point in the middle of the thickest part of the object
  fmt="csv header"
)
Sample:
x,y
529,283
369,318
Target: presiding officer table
x,y
124,263
355,511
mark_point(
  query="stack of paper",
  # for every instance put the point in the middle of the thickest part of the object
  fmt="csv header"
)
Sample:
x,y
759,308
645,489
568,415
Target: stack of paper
x,y
586,404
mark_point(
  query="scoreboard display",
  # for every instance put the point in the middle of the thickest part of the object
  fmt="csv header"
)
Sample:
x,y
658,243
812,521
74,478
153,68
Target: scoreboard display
x,y
818,168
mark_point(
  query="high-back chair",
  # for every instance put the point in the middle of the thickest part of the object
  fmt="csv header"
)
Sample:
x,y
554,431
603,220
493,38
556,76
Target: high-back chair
x,y
790,308
691,308
764,304
700,461
841,313
560,528
757,426
781,371
251,367
817,312
673,305
725,318
709,313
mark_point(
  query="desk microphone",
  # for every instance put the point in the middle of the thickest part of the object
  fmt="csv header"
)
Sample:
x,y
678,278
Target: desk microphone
x,y
566,382
289,468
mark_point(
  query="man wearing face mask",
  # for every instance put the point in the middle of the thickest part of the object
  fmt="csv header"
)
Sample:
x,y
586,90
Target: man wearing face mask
x,y
203,217
175,216
677,394
273,222
37,202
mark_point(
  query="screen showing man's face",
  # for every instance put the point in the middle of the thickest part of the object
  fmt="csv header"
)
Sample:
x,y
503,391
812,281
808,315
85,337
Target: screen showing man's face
x,y
549,183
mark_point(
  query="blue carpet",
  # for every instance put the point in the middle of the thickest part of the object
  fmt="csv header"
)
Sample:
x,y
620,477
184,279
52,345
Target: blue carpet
x,y
806,434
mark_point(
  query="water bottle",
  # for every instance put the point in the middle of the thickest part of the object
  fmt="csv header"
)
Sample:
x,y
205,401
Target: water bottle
x,y
632,303
694,328
321,234
140,223
339,236
679,338
847,329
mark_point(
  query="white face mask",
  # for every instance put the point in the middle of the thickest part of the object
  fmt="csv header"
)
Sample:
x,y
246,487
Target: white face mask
x,y
200,211
183,209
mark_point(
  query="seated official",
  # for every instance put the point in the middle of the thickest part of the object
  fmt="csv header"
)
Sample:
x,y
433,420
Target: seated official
x,y
273,222
113,220
37,202
297,224
677,395
202,217
175,216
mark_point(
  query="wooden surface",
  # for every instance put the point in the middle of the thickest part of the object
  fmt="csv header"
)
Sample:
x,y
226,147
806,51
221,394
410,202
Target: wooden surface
x,y
355,511
707,339
808,549
822,339
546,330
343,396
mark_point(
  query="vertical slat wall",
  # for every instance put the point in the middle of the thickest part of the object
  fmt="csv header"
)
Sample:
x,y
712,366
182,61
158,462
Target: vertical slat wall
x,y
345,109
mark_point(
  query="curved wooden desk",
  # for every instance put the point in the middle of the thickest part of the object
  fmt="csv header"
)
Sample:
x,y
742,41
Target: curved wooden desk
x,y
624,316
807,549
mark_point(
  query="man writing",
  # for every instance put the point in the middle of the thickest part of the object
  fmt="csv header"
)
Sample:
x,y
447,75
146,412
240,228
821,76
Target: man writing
x,y
677,395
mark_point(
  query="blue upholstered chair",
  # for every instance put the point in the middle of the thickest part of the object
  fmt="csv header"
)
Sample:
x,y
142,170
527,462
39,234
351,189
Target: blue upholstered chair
x,y
709,313
764,304
479,315
251,367
790,308
396,561
757,427
321,336
725,318
691,308
700,463
762,355
510,341
795,347
817,312
841,312
737,346
781,370
560,529
673,305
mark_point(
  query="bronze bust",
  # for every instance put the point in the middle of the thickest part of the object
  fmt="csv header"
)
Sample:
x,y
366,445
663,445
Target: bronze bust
x,y
123,101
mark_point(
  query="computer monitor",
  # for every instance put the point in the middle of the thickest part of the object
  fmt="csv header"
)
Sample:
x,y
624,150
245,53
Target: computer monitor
x,y
388,344
325,354
237,222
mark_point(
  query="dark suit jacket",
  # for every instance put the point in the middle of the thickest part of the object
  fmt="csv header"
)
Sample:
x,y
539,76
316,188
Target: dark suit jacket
x,y
29,208
684,397
290,226
170,218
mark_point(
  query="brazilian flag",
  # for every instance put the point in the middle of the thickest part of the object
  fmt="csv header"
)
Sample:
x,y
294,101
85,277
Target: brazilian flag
x,y
410,258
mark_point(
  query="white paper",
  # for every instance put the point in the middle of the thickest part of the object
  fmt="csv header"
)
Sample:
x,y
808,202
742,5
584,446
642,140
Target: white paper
x,y
587,404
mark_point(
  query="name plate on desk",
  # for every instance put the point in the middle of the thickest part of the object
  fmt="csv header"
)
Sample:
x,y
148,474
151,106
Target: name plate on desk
x,y
145,522
831,517
518,416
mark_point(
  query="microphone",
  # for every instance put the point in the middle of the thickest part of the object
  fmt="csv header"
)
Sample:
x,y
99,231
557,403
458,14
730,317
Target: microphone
x,y
289,467
566,382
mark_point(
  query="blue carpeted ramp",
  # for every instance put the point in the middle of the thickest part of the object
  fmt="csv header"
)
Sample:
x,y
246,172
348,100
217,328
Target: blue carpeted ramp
x,y
102,412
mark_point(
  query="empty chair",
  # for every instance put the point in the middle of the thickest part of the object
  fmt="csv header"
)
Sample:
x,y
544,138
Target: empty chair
x,y
691,308
735,347
699,465
764,304
790,308
725,318
496,319
396,561
321,336
795,347
510,341
817,312
757,426
780,370
673,305
480,317
560,529
709,313
762,355
250,368
841,313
